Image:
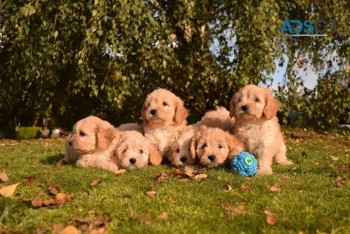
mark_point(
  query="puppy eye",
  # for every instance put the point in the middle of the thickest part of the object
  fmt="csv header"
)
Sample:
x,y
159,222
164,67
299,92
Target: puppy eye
x,y
165,104
177,150
239,100
141,151
81,133
256,100
124,151
203,146
220,146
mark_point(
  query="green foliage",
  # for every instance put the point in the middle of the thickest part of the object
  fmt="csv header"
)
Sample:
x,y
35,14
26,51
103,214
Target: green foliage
x,y
68,59
28,132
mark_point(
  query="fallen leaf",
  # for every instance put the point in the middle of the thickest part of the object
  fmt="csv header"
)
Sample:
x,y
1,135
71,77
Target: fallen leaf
x,y
120,172
163,216
29,180
334,158
345,168
96,182
275,189
200,176
49,202
37,202
340,181
58,165
62,198
143,218
4,177
170,200
70,229
246,187
54,189
303,154
271,218
177,172
8,191
228,187
283,178
150,193
230,210
183,180
161,177
173,37
153,186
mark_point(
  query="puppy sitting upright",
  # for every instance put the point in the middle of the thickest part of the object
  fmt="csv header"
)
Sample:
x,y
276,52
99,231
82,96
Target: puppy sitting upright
x,y
91,144
255,112
214,147
164,116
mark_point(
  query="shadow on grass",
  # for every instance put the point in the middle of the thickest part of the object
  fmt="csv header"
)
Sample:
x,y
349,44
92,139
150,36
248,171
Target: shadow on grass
x,y
52,160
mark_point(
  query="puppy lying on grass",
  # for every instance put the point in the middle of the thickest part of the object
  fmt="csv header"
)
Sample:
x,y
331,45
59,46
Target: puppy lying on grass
x,y
214,147
91,143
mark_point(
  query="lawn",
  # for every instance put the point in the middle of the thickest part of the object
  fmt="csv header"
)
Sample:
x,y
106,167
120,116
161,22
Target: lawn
x,y
312,196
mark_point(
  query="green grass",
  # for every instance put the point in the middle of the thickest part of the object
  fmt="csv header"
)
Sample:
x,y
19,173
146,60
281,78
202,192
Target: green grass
x,y
309,199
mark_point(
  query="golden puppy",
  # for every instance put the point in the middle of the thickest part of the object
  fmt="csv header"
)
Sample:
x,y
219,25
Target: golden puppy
x,y
135,151
218,118
164,116
255,112
180,149
91,143
213,146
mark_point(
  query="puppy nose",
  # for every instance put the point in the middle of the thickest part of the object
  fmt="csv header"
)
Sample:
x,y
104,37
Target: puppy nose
x,y
70,143
244,108
132,160
211,157
183,159
153,111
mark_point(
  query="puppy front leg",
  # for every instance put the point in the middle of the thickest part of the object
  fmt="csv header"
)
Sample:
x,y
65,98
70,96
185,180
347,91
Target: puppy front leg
x,y
86,161
264,164
281,157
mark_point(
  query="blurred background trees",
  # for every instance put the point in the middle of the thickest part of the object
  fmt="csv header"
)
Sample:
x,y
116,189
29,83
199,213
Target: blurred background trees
x,y
63,60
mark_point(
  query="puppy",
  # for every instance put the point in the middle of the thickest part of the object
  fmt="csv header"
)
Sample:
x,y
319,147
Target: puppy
x,y
91,143
135,151
180,149
130,127
214,147
255,112
218,118
164,116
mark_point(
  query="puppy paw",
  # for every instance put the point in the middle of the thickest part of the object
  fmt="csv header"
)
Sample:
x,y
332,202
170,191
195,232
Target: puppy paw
x,y
286,162
263,172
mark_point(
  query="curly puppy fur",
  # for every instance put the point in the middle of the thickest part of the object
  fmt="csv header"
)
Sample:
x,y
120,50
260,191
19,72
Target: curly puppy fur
x,y
255,110
180,149
91,143
164,116
135,151
218,118
214,147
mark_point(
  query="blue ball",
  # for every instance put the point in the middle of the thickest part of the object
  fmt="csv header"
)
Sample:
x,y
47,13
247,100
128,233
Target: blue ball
x,y
245,164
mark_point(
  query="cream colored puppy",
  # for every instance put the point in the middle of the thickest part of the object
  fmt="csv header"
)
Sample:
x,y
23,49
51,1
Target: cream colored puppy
x,y
218,118
255,112
91,144
214,147
135,151
180,149
164,116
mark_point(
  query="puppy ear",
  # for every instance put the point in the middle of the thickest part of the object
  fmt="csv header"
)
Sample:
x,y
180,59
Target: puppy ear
x,y
155,157
235,145
143,113
272,105
194,145
105,136
181,112
232,107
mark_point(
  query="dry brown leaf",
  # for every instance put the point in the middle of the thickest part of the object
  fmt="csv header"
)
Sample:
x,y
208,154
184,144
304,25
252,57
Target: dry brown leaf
x,y
153,186
163,216
345,168
230,210
96,182
283,178
228,187
177,172
53,189
29,180
120,172
183,180
49,202
275,189
3,176
70,229
173,37
62,198
271,218
246,187
340,181
170,200
143,218
8,191
200,176
150,193
161,177
37,202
